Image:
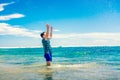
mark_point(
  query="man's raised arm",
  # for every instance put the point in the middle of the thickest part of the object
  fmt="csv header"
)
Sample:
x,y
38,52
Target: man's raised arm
x,y
47,32
51,30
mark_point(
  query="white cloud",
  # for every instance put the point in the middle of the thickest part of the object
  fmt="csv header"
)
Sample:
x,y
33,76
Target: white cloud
x,y
6,29
4,4
56,30
73,39
89,35
87,39
11,16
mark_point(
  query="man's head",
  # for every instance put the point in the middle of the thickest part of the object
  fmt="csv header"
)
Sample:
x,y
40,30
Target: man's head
x,y
42,34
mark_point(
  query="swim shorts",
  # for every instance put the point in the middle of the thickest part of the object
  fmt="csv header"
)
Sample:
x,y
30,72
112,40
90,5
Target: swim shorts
x,y
48,56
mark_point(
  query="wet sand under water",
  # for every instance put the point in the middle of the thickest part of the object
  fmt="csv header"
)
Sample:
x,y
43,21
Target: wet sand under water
x,y
89,71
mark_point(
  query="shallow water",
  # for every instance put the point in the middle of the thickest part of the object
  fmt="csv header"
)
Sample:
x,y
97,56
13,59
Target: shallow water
x,y
75,63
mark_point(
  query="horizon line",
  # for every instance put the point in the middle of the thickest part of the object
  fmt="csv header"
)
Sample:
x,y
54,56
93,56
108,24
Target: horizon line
x,y
65,46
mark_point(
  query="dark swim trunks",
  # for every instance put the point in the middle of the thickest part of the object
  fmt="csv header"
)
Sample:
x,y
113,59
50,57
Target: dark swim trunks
x,y
48,56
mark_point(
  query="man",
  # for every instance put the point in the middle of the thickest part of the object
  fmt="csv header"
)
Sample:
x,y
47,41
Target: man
x,y
46,36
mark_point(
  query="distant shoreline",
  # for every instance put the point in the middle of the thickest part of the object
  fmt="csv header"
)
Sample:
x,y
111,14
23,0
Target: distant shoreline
x,y
55,47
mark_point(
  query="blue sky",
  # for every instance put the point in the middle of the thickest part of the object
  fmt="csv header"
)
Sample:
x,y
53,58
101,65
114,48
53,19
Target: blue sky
x,y
75,22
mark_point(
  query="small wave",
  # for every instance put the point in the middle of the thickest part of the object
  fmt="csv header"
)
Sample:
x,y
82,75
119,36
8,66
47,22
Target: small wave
x,y
85,65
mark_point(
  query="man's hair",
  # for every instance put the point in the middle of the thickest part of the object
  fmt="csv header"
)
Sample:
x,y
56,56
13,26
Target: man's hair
x,y
42,34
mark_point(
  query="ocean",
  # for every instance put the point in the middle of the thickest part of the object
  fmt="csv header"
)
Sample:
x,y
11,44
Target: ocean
x,y
69,63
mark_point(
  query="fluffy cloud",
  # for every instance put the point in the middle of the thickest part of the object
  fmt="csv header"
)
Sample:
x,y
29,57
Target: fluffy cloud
x,y
11,16
4,4
73,39
90,35
56,30
87,39
6,29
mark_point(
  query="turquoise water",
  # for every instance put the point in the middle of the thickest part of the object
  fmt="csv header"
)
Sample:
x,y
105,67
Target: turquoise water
x,y
70,63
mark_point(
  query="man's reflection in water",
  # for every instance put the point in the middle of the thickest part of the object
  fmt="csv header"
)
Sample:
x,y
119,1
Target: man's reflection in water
x,y
48,74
